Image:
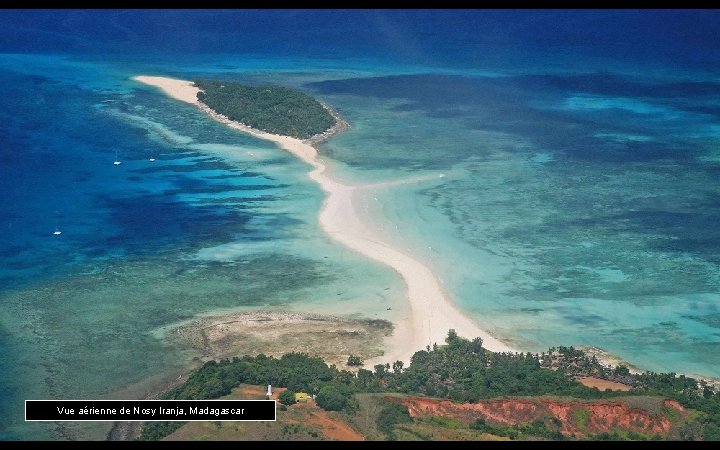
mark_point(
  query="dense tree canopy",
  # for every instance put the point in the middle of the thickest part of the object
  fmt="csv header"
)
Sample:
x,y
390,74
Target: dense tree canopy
x,y
273,109
287,397
331,398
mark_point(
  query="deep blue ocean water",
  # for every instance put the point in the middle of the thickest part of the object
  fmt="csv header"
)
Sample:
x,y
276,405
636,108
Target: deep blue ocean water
x,y
585,147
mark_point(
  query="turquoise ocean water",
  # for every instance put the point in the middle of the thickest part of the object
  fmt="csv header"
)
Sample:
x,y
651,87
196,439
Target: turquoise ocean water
x,y
579,203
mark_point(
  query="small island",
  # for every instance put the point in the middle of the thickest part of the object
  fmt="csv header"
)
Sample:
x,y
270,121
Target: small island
x,y
273,109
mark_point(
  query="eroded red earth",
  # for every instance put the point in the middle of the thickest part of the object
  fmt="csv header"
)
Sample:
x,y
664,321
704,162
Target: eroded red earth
x,y
578,418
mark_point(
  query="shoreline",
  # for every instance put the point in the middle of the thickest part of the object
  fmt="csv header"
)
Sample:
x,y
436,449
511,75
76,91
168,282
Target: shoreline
x,y
430,313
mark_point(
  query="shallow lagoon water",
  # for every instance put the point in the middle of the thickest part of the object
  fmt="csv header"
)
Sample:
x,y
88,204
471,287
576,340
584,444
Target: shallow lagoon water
x,y
578,202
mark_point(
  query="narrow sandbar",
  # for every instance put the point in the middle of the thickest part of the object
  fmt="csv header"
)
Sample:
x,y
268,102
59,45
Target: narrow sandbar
x,y
430,313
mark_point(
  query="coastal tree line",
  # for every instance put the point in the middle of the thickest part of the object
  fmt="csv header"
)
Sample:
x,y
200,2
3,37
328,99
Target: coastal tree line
x,y
462,370
274,109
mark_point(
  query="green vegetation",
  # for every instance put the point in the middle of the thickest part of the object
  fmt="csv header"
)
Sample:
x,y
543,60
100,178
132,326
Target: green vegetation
x,y
461,371
628,436
158,430
446,422
274,109
580,417
294,429
391,415
354,361
287,397
534,429
331,398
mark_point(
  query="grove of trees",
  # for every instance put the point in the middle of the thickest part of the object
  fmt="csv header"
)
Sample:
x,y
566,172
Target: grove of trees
x,y
274,109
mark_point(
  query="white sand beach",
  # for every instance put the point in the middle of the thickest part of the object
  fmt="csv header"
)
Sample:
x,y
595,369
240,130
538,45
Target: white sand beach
x,y
431,314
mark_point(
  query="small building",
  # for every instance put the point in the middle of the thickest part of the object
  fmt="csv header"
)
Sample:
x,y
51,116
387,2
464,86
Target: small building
x,y
301,397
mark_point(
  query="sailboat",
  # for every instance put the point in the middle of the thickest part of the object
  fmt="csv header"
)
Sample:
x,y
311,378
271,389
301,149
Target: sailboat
x,y
117,161
152,157
57,231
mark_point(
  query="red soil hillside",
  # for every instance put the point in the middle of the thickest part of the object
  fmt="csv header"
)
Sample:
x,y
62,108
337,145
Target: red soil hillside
x,y
578,418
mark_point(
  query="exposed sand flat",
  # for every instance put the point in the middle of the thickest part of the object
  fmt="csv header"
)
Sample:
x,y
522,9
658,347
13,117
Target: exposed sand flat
x,y
431,314
275,333
177,89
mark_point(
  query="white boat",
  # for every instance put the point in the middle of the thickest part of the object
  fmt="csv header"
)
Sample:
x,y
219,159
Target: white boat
x,y
117,161
152,159
57,231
